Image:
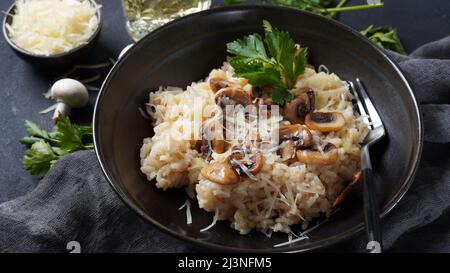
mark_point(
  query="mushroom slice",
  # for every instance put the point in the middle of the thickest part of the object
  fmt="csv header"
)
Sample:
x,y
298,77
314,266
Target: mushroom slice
x,y
329,155
232,96
220,173
287,151
348,189
301,136
211,140
296,110
293,137
325,121
219,146
262,94
257,92
218,83
246,161
203,148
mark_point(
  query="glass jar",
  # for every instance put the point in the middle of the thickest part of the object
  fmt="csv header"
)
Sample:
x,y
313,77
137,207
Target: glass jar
x,y
144,16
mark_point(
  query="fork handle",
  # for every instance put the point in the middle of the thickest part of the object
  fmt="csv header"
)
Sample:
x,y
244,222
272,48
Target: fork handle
x,y
371,213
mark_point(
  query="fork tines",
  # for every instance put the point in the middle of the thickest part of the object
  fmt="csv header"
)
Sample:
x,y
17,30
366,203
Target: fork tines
x,y
373,114
357,103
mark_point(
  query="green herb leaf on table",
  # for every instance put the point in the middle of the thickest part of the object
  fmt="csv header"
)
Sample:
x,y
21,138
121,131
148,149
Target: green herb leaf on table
x,y
316,6
35,130
67,135
327,8
39,158
385,37
274,61
232,2
45,148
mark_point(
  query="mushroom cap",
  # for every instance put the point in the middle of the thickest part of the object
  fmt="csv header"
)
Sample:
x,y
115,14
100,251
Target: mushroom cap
x,y
71,92
214,134
288,151
232,96
252,159
325,121
304,103
220,173
299,134
329,155
218,83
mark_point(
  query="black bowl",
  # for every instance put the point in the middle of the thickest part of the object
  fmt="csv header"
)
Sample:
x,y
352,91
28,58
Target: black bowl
x,y
60,60
185,51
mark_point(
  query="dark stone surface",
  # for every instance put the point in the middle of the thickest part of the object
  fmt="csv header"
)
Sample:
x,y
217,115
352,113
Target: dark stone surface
x,y
22,85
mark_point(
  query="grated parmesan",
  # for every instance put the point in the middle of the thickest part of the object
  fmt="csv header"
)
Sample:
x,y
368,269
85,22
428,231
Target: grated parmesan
x,y
49,27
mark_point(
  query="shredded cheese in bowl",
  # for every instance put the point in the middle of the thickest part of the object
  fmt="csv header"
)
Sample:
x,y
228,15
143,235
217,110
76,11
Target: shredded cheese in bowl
x,y
50,27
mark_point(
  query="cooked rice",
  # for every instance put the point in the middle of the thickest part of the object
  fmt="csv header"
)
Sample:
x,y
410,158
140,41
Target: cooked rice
x,y
283,195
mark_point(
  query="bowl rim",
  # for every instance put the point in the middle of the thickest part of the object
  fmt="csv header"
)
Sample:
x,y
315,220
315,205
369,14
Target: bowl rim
x,y
54,56
293,248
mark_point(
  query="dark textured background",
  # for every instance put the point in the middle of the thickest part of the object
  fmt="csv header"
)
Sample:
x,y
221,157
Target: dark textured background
x,y
22,85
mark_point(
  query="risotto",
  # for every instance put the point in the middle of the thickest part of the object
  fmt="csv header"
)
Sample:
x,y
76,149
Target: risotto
x,y
298,178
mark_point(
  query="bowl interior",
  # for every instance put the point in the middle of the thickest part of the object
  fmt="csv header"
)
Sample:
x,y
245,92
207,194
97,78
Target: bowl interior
x,y
185,51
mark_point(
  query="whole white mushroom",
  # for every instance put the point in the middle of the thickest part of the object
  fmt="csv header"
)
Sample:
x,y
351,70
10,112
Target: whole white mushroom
x,y
68,94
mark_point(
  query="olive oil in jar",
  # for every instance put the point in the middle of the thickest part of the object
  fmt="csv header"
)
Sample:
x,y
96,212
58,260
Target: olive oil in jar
x,y
144,16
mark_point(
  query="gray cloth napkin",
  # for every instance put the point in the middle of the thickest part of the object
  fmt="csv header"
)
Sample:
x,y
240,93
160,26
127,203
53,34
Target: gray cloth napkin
x,y
74,202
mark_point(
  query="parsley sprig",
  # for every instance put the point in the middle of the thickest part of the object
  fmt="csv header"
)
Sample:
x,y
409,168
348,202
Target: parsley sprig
x,y
232,2
274,61
327,8
385,37
45,148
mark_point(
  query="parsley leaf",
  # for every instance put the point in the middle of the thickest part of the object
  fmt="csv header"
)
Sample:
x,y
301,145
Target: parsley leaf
x,y
282,47
326,8
35,130
258,74
46,148
232,2
273,61
316,6
251,47
280,95
385,37
67,135
39,158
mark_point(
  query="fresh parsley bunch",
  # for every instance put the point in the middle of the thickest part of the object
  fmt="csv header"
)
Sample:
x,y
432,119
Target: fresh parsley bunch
x,y
277,66
385,37
327,8
316,6
45,148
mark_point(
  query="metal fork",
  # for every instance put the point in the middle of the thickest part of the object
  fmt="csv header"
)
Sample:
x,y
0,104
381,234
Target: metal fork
x,y
371,209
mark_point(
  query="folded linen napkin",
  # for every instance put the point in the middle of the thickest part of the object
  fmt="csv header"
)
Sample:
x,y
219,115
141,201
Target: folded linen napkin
x,y
74,202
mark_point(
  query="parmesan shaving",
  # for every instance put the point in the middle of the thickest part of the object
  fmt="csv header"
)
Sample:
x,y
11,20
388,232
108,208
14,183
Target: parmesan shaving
x,y
303,236
143,114
292,241
216,216
323,68
48,94
187,204
48,109
49,27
